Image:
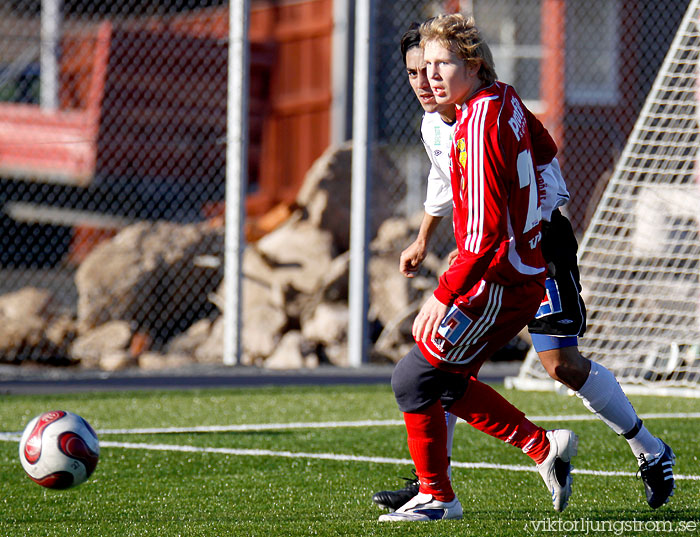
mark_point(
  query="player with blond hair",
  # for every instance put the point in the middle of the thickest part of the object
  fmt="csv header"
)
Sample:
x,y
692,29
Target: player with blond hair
x,y
491,290
559,354
561,317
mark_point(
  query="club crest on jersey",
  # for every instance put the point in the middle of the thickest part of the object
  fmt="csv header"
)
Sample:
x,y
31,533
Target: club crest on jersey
x,y
461,147
462,152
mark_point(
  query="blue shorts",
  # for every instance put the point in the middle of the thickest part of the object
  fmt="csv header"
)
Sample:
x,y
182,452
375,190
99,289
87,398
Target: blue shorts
x,y
542,342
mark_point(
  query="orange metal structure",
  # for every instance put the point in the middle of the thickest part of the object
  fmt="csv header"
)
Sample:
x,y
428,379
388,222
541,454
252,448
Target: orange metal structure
x,y
110,76
290,97
60,145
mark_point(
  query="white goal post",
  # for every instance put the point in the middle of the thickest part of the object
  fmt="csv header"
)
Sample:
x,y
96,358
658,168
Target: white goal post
x,y
640,255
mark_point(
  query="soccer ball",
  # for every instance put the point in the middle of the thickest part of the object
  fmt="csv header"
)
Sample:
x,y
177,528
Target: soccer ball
x,y
59,449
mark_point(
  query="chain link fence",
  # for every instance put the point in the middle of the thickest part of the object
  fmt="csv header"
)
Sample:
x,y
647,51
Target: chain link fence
x,y
112,122
589,97
583,67
112,119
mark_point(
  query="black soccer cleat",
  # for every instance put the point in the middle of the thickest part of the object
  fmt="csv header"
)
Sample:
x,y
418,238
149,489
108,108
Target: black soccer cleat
x,y
657,475
393,499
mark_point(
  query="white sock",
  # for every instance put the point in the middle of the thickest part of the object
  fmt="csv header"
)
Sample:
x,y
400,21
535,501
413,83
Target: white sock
x,y
451,421
646,443
602,395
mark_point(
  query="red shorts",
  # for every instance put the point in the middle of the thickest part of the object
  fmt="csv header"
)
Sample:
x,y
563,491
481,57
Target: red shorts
x,y
480,323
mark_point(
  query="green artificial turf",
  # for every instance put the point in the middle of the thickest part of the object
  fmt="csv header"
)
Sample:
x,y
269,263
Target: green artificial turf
x,y
143,487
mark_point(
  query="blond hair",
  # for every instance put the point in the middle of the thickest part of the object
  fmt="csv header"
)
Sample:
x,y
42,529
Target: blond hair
x,y
459,34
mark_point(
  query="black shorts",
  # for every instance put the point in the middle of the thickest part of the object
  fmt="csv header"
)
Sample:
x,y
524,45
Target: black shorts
x,y
562,312
417,384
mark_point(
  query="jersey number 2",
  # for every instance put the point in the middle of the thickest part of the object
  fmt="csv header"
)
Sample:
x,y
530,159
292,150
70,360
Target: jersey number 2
x,y
527,178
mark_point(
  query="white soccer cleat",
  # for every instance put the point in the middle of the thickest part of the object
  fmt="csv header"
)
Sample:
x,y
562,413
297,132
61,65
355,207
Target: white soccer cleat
x,y
556,468
422,507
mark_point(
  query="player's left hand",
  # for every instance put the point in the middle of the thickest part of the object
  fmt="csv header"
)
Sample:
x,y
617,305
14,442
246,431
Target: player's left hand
x,y
427,322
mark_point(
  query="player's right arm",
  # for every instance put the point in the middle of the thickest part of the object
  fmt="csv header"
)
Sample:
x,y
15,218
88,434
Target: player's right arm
x,y
438,197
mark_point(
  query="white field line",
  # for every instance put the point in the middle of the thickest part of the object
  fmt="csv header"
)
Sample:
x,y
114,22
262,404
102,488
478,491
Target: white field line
x,y
255,427
355,458
14,437
341,424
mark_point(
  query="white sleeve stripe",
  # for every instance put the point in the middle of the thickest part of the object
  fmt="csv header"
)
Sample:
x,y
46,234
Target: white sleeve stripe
x,y
470,175
475,177
474,162
482,178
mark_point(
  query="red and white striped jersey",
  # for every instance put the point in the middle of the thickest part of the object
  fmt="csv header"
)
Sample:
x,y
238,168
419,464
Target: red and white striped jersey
x,y
496,192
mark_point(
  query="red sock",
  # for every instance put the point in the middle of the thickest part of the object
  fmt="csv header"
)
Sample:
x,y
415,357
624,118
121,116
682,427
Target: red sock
x,y
533,441
427,442
485,409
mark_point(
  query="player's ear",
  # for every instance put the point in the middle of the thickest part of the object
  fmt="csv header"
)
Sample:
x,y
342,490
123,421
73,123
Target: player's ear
x,y
472,66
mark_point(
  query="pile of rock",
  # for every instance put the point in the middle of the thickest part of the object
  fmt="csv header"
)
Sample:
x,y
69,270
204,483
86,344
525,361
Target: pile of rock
x,y
295,288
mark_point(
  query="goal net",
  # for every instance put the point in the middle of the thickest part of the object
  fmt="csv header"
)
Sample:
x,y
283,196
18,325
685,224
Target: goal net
x,y
640,255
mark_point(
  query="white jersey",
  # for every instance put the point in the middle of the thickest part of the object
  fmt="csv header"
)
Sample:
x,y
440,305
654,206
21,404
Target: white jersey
x,y
555,191
437,139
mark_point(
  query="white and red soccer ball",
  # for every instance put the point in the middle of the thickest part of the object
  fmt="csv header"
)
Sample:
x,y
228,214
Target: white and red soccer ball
x,y
59,449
